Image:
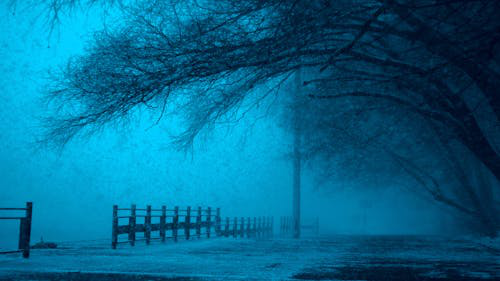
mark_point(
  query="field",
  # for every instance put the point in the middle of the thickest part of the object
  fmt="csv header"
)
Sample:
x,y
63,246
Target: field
x,y
327,258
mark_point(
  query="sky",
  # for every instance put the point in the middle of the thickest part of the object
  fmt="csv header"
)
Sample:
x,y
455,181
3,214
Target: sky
x,y
243,169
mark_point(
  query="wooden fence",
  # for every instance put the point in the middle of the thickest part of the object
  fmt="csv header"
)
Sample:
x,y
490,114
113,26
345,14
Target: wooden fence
x,y
286,226
24,228
202,221
258,227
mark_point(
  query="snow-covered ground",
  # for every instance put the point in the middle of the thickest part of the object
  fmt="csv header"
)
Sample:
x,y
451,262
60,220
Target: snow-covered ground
x,y
328,258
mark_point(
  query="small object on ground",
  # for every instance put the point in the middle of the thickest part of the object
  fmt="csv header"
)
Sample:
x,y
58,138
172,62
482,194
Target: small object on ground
x,y
44,245
274,265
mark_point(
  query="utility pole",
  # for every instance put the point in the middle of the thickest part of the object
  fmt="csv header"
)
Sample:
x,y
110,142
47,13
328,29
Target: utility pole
x,y
296,155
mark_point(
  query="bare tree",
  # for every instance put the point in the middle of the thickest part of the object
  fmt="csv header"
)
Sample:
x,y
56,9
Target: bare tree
x,y
424,55
362,143
436,59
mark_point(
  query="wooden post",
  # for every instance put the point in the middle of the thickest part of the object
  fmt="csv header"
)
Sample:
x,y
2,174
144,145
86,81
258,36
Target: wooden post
x,y
131,225
175,223
209,221
269,227
235,226
259,227
265,227
287,225
254,232
163,223
242,228
226,229
217,222
114,230
281,227
198,223
272,226
249,225
25,231
147,225
187,223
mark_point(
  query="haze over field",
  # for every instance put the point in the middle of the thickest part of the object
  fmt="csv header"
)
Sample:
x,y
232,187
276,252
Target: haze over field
x,y
249,140
243,168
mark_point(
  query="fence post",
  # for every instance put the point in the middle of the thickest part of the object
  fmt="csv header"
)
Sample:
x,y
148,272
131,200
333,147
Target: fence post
x,y
242,228
217,222
147,225
269,230
25,231
163,222
259,227
235,226
226,230
209,221
281,227
249,225
265,228
131,225
290,225
187,223
254,232
272,226
175,223
198,223
114,230
286,226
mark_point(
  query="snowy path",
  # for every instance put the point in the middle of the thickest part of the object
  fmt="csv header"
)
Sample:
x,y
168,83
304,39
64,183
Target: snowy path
x,y
329,258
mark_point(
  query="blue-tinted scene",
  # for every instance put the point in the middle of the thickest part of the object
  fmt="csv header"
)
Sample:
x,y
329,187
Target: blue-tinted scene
x,y
249,140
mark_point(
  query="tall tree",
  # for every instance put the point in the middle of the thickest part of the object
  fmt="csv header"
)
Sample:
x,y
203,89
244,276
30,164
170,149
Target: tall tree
x,y
436,59
378,141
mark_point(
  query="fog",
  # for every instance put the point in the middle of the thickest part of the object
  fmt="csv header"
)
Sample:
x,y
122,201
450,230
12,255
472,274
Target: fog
x,y
244,168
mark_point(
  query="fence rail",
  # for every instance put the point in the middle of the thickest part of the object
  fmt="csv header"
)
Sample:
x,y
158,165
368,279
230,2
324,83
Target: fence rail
x,y
286,226
258,227
24,228
203,222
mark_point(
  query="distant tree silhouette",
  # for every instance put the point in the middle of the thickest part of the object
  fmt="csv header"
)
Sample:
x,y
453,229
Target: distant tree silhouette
x,y
374,145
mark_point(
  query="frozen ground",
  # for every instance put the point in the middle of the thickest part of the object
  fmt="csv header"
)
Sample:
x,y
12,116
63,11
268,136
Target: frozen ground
x,y
328,258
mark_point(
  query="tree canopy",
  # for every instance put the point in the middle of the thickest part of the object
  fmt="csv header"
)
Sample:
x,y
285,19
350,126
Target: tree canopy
x,y
435,61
